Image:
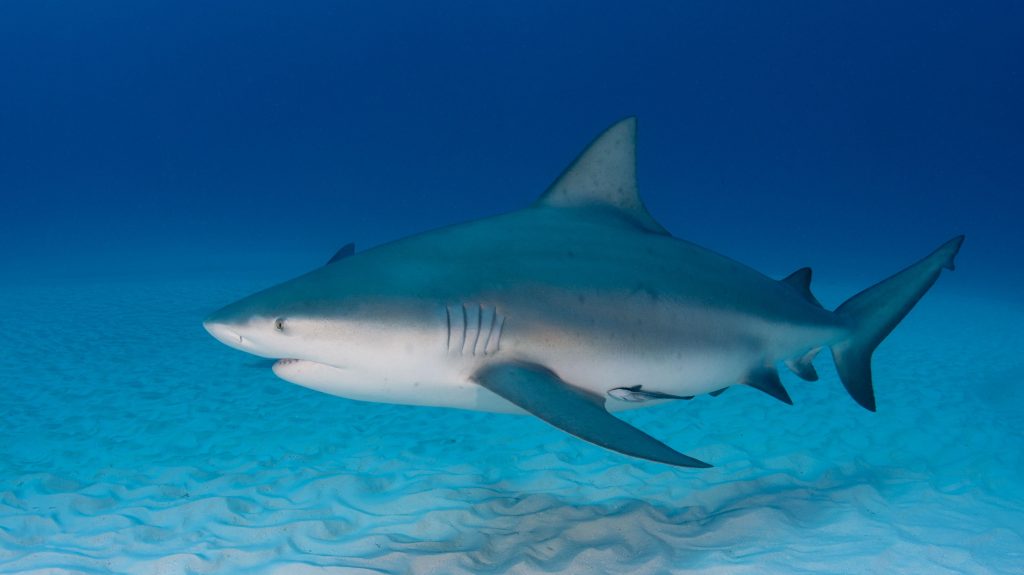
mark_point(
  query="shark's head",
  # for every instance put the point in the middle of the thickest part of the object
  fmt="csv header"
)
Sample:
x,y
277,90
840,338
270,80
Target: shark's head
x,y
337,315
278,322
262,325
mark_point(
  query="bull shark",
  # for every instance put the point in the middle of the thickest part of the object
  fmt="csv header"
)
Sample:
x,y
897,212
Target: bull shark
x,y
575,307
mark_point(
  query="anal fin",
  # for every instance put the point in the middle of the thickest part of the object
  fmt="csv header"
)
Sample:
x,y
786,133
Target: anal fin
x,y
803,366
539,391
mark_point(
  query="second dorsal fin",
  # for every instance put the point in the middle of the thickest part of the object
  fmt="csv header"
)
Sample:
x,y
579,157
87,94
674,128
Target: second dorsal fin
x,y
800,280
342,253
605,175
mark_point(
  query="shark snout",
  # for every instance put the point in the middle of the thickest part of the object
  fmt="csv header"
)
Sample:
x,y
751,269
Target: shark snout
x,y
224,334
245,335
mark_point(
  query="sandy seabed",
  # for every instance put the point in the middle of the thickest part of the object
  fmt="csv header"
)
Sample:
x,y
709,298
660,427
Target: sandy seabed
x,y
132,442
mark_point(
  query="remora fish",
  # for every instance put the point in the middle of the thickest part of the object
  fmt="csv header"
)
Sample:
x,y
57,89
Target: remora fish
x,y
548,309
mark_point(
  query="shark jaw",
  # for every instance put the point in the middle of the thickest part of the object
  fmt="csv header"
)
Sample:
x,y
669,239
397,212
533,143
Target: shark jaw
x,y
372,387
307,373
577,306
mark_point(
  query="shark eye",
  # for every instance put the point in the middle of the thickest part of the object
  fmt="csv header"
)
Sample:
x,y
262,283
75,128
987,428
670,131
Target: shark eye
x,y
279,324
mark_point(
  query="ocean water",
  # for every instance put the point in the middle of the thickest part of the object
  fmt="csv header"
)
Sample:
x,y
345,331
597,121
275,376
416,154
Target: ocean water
x,y
159,160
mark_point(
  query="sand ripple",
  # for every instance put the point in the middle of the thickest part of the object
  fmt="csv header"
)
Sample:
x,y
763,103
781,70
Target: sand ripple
x,y
137,445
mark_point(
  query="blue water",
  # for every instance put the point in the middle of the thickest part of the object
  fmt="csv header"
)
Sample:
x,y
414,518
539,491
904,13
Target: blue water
x,y
161,159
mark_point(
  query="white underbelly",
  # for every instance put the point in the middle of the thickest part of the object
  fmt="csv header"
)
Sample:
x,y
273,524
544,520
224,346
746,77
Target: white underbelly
x,y
450,385
398,388
685,374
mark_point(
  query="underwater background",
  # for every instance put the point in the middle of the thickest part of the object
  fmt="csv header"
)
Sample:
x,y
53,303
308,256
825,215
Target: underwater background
x,y
161,159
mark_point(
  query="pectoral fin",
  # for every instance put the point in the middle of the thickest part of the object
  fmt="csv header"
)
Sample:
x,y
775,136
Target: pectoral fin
x,y
539,391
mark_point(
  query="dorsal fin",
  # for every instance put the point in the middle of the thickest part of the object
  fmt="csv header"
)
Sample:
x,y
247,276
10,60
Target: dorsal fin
x,y
342,253
800,280
604,175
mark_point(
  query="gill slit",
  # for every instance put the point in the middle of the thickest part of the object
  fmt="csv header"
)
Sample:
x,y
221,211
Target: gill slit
x,y
448,324
490,329
497,340
459,342
462,346
479,324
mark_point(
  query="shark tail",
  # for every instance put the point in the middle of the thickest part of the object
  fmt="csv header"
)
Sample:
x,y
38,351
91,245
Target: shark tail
x,y
874,312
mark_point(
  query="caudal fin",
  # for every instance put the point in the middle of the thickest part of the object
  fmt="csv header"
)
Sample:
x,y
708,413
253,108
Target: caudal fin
x,y
874,312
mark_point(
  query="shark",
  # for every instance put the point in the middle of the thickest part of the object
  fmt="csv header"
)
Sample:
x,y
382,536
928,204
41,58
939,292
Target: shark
x,y
571,309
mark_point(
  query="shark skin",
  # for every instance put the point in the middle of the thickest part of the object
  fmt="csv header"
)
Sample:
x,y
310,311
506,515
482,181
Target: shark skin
x,y
547,309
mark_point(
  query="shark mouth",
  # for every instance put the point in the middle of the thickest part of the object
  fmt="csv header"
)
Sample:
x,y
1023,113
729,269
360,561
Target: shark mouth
x,y
285,362
319,376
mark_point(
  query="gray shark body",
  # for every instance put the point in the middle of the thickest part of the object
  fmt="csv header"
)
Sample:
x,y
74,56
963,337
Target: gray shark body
x,y
561,310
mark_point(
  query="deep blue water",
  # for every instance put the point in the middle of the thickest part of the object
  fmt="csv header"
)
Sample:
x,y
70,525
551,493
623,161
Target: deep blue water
x,y
160,159
137,134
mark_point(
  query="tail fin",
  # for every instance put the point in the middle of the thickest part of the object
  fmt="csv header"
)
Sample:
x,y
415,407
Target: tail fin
x,y
874,312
